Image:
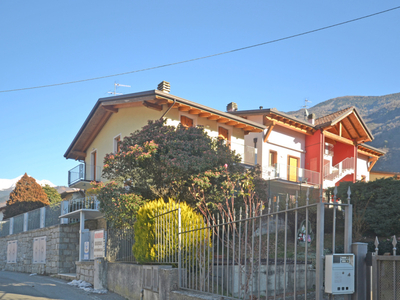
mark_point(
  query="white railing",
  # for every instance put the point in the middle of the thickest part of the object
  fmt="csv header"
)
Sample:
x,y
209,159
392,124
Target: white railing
x,y
291,173
339,170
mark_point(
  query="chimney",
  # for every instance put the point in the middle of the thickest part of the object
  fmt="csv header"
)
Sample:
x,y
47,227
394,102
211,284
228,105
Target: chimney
x,y
311,119
232,107
164,86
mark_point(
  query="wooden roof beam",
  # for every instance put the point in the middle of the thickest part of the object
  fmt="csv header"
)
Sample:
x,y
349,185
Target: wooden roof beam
x,y
110,108
213,117
372,164
338,138
223,120
184,108
204,114
268,132
231,123
194,111
152,105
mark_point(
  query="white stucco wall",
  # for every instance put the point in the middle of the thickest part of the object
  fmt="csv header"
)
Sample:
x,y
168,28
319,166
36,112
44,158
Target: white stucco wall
x,y
362,167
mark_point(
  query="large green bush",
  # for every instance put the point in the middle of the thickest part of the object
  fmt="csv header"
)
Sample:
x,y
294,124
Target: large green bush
x,y
156,232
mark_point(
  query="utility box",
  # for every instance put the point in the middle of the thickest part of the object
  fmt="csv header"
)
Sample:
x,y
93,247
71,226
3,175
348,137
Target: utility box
x,y
339,274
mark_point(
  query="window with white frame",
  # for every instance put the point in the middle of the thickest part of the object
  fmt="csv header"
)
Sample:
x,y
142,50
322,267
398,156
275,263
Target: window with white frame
x,y
117,143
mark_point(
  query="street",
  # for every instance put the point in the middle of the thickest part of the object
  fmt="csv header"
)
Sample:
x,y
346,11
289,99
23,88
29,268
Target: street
x,y
21,286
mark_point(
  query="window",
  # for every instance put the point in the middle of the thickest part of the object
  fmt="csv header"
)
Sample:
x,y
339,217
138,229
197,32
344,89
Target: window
x,y
293,164
93,159
117,144
223,133
186,122
273,158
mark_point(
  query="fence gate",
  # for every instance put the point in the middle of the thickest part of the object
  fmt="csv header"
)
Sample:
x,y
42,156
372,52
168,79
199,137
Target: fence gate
x,y
385,274
270,250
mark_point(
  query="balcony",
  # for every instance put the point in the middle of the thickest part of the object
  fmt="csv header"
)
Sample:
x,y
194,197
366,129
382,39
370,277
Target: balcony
x,y
82,175
332,174
247,153
291,173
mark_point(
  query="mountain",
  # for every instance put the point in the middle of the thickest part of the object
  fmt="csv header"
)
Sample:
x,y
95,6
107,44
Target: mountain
x,y
8,185
382,116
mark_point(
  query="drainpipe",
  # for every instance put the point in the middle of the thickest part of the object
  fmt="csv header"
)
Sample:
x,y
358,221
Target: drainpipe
x,y
168,109
321,169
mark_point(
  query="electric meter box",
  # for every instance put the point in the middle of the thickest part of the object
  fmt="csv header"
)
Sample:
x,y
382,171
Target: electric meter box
x,y
339,274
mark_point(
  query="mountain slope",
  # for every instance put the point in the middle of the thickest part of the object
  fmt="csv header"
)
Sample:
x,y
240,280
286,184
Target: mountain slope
x,y
382,116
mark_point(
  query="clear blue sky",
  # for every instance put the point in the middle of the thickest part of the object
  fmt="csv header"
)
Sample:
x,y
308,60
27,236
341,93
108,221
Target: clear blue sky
x,y
46,42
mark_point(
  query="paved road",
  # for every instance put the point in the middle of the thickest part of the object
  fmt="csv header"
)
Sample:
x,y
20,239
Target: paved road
x,y
21,286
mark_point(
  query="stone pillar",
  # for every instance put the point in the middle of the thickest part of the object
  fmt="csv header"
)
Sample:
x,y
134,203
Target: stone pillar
x,y
100,274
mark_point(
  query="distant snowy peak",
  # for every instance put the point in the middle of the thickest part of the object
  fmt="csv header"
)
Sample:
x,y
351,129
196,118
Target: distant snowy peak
x,y
6,184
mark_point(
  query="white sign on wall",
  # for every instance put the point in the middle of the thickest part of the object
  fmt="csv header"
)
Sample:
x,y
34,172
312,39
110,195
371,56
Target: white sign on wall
x,y
39,250
12,252
98,248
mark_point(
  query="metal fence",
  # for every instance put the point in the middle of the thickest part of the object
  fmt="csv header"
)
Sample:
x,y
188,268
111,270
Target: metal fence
x,y
386,274
261,251
119,245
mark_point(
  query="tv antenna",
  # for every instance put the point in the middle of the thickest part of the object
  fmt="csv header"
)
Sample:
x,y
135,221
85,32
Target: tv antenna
x,y
116,85
305,106
306,101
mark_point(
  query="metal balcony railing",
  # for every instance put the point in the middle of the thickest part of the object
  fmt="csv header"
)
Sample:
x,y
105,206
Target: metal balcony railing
x,y
339,170
83,172
291,173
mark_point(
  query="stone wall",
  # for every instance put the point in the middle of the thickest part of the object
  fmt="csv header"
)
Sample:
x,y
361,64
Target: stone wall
x,y
62,250
84,271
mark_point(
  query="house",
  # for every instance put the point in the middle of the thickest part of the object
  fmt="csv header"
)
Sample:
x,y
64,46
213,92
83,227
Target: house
x,y
374,175
113,118
315,152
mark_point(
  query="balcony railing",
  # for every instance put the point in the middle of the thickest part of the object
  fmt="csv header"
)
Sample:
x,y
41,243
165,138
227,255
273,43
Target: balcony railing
x,y
83,172
247,153
339,170
291,173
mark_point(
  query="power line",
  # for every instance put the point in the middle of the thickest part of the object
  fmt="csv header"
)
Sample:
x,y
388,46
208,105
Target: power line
x,y
204,57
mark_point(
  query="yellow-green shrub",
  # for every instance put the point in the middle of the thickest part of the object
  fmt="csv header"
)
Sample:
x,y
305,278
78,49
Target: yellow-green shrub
x,y
156,238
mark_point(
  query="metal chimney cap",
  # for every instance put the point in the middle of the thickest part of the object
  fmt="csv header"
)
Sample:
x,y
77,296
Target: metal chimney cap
x,y
232,107
164,86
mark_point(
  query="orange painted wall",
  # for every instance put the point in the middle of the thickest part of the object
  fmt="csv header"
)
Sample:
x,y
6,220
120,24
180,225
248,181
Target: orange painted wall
x,y
313,151
342,151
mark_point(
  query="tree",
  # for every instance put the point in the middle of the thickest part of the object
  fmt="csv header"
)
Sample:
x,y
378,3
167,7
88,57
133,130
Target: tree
x,y
161,161
27,195
52,194
376,208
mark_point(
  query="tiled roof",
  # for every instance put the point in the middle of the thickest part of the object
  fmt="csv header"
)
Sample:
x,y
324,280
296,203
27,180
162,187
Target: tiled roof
x,y
333,116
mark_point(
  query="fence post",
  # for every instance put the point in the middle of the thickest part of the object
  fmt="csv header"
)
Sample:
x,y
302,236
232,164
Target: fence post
x,y
42,217
11,225
360,251
25,228
348,224
320,251
179,247
64,210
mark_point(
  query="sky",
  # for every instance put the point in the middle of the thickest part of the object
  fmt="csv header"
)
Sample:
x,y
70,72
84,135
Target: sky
x,y
50,42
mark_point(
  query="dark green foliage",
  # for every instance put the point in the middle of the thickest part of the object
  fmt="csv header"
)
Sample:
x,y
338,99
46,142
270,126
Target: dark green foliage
x,y
385,246
161,161
52,194
376,206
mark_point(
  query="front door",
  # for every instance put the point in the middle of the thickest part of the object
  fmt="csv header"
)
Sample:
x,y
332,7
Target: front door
x,y
293,163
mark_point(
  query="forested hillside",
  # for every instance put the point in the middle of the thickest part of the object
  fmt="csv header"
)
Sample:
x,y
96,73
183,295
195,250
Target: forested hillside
x,y
382,115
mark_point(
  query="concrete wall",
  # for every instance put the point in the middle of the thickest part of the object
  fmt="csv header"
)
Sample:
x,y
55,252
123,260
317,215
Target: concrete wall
x,y
85,271
62,243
